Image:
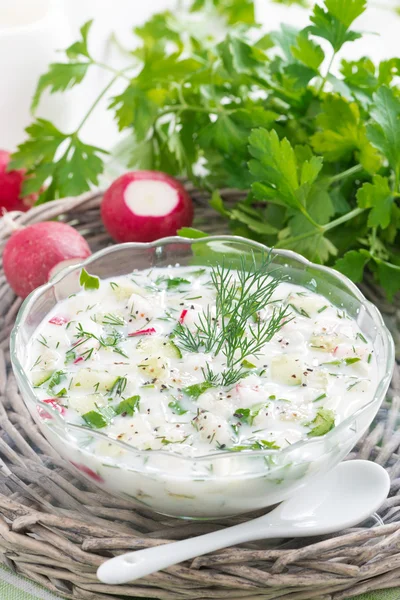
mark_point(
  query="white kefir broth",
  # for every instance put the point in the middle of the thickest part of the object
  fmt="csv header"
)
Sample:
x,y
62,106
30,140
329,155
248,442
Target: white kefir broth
x,y
109,359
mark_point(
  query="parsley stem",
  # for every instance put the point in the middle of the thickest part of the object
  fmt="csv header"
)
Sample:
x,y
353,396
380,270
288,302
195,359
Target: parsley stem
x,y
347,217
189,107
96,102
321,230
344,174
324,80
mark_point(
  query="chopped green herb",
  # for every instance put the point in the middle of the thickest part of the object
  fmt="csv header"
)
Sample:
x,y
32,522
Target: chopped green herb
x,y
247,415
37,362
322,309
323,423
258,445
56,379
369,358
118,386
166,442
112,319
350,387
194,298
362,338
300,311
42,340
321,397
89,282
88,353
113,285
61,393
247,364
94,419
198,272
346,361
128,406
177,408
121,352
194,391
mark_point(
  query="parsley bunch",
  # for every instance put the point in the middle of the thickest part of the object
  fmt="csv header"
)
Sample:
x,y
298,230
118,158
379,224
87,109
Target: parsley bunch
x,y
210,97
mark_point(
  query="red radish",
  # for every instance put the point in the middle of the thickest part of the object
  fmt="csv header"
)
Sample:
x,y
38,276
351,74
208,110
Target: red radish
x,y
10,187
182,317
58,321
148,331
31,254
92,474
143,206
55,404
78,360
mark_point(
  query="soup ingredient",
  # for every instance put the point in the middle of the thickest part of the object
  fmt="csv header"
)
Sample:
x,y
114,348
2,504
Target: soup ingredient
x,y
11,187
143,206
32,253
324,159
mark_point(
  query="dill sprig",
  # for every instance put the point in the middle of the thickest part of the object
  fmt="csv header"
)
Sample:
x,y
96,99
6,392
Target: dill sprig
x,y
234,328
113,319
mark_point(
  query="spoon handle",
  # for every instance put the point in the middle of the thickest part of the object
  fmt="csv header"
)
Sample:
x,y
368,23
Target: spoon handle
x,y
133,565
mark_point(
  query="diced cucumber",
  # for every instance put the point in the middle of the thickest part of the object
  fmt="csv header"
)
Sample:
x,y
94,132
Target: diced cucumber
x,y
90,379
84,404
40,377
287,369
125,291
154,367
324,343
159,347
306,305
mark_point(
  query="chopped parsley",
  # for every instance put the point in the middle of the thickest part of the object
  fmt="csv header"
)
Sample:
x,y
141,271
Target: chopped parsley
x,y
176,407
322,424
194,391
128,406
89,282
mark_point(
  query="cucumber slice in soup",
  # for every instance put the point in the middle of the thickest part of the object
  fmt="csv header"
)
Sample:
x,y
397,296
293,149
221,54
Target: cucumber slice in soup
x,y
154,367
287,369
90,379
40,377
159,347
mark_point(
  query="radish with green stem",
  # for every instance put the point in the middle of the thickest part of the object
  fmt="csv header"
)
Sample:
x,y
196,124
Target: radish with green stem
x,y
143,206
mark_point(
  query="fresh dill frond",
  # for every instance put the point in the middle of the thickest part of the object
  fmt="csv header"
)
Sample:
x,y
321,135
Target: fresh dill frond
x,y
230,328
112,319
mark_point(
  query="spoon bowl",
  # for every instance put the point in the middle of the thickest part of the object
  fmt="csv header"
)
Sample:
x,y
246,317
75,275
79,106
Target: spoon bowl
x,y
347,495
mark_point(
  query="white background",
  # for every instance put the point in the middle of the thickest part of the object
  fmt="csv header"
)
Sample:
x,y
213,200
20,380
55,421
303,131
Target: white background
x,y
24,53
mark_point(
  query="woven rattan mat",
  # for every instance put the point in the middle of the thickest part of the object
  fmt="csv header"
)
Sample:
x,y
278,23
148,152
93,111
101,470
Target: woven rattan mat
x,y
56,528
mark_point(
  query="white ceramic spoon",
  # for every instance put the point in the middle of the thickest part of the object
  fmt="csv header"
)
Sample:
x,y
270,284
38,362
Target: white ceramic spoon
x,y
342,498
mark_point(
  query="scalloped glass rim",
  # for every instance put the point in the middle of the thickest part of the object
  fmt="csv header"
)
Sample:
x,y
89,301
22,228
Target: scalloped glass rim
x,y
65,425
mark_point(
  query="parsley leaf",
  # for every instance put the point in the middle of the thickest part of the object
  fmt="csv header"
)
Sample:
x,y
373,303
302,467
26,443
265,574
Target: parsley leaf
x,y
379,197
384,132
323,423
128,406
194,391
177,408
353,263
89,282
95,420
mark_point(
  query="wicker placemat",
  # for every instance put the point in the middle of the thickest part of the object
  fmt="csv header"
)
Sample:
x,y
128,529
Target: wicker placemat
x,y
57,528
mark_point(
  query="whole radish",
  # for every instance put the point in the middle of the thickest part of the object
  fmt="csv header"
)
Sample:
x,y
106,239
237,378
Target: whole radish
x,y
11,186
32,254
143,206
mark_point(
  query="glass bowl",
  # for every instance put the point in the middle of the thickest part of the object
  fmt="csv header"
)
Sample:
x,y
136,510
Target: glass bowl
x,y
222,483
